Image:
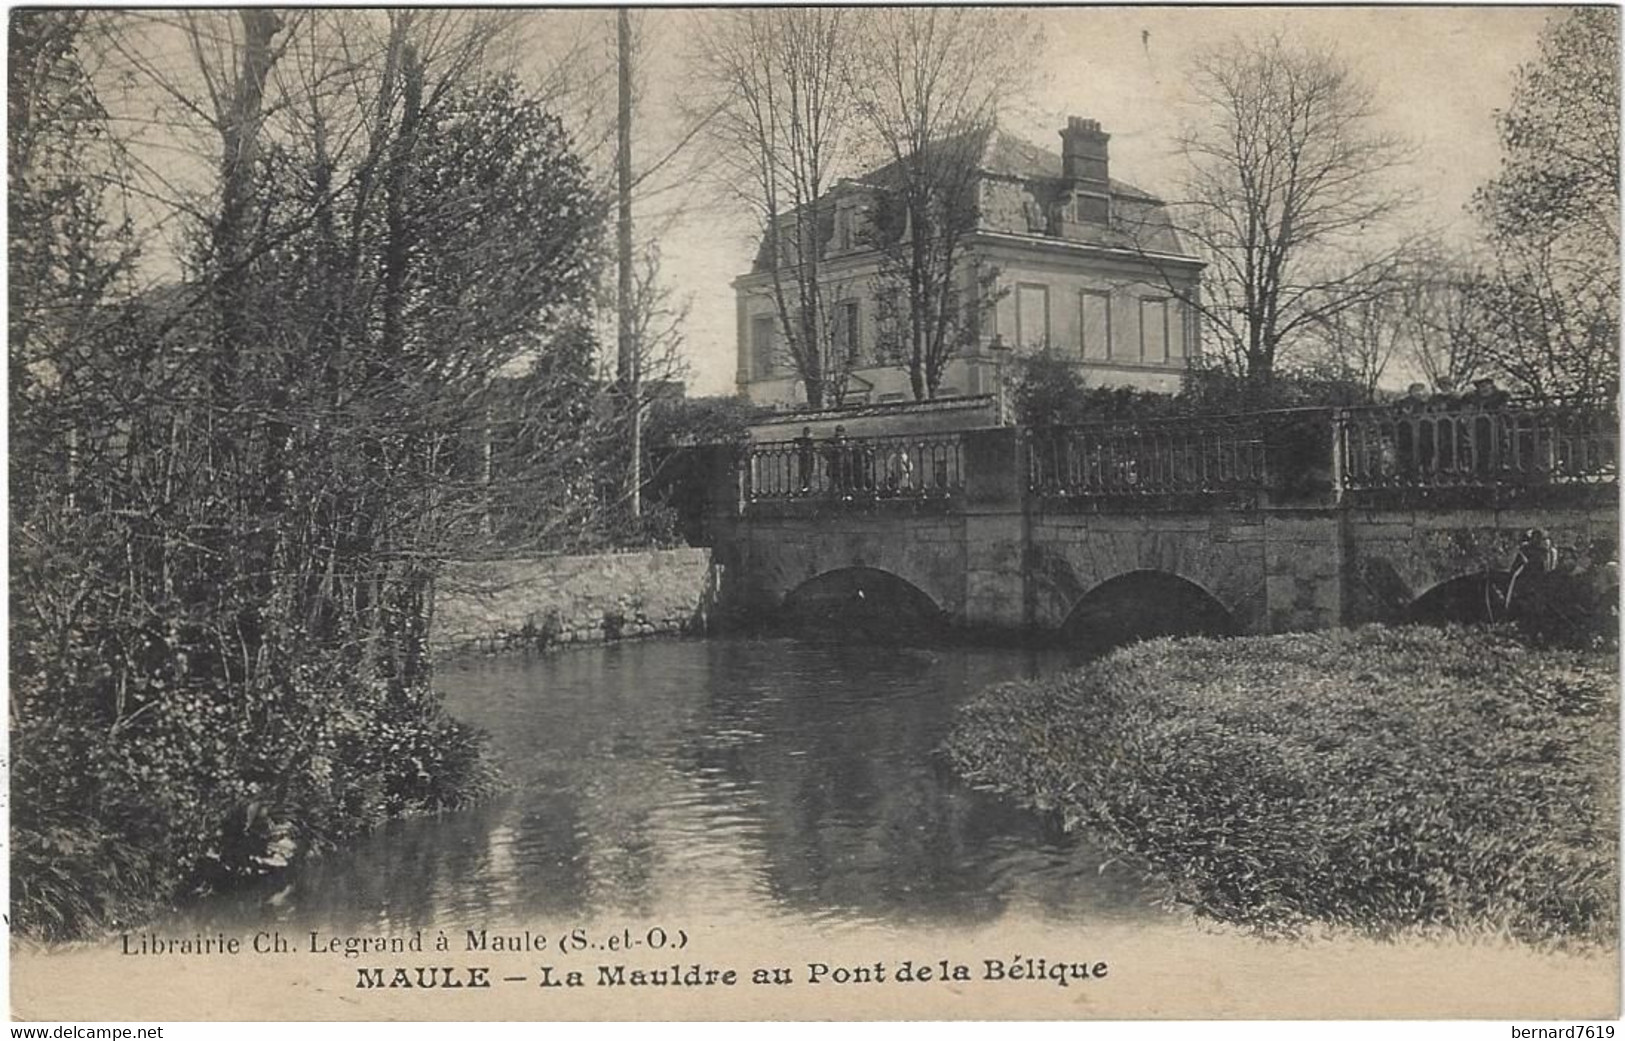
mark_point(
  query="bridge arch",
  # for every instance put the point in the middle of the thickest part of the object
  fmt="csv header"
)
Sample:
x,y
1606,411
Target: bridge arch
x,y
1461,598
861,601
1402,570
1143,604
1562,605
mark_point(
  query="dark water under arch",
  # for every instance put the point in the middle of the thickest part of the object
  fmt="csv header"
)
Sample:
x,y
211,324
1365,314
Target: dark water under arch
x,y
1139,605
862,604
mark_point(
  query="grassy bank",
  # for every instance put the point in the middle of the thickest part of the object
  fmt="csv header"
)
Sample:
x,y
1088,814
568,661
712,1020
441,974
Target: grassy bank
x,y
1385,780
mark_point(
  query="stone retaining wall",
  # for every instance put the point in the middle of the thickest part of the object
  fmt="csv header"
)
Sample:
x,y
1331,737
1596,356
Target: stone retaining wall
x,y
543,601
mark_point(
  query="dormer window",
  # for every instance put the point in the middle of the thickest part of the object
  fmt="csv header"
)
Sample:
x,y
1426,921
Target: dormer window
x,y
784,233
1038,221
848,224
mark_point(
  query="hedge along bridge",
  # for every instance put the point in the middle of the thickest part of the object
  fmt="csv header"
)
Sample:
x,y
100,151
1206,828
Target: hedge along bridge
x,y
1256,523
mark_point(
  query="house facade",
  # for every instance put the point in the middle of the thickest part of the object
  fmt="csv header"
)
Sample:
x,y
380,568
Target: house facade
x,y
1080,262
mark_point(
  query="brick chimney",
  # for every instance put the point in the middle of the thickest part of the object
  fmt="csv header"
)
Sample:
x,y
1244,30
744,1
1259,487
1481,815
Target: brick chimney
x,y
1084,153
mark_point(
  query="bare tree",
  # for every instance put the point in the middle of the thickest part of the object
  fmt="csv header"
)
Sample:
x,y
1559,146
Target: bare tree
x,y
1551,295
267,453
1355,344
929,85
1549,319
1442,321
1287,184
1426,315
782,105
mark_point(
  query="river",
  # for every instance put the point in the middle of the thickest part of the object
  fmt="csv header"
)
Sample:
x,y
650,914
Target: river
x,y
773,779
779,803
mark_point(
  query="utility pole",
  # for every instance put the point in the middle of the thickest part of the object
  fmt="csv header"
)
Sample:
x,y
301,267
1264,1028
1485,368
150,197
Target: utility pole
x,y
626,369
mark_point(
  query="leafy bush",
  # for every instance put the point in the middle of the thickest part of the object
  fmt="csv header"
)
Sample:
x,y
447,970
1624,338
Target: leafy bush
x,y
675,422
1383,780
1563,608
1046,390
677,470
111,822
1049,390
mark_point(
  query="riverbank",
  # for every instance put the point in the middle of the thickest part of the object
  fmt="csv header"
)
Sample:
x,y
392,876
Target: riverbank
x,y
1388,781
534,603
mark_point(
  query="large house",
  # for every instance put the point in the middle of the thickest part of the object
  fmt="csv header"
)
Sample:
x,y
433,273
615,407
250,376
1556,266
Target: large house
x,y
1084,264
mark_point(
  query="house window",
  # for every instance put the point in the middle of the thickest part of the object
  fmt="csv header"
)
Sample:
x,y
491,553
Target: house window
x,y
797,239
761,345
1179,331
1032,315
891,324
848,331
1154,330
1095,324
851,215
1037,219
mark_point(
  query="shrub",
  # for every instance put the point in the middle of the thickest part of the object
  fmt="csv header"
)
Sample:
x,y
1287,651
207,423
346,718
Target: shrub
x,y
675,471
1049,390
1383,780
110,823
1046,390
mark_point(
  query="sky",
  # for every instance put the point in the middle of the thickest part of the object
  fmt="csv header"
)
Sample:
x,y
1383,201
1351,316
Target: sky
x,y
1439,74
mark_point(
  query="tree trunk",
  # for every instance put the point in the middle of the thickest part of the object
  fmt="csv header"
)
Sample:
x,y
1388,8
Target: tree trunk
x,y
239,133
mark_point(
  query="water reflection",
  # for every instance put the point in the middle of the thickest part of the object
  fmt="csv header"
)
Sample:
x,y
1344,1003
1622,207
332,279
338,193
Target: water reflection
x,y
746,777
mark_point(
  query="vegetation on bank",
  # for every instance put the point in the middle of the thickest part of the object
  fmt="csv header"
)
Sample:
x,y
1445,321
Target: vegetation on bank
x,y
110,824
233,482
1383,780
230,490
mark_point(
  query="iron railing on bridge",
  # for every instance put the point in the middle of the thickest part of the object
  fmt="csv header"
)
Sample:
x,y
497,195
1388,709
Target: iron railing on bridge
x,y
912,466
1511,446
1507,451
1125,461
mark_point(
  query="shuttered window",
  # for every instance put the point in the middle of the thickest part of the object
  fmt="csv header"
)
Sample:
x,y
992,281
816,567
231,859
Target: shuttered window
x,y
761,345
1154,330
849,331
1095,324
1032,315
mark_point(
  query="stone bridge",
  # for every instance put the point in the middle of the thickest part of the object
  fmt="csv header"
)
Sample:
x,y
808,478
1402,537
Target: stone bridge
x,y
1253,524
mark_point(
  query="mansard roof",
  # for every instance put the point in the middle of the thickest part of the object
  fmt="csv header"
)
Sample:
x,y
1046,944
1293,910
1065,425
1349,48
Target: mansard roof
x,y
1140,219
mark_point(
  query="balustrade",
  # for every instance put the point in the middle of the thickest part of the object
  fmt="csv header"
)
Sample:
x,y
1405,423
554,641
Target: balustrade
x,y
916,466
1295,457
1509,446
1171,457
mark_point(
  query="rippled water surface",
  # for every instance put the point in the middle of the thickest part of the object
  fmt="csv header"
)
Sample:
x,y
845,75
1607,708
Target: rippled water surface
x,y
759,778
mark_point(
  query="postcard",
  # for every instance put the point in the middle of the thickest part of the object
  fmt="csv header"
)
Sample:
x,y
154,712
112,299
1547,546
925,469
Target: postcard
x,y
814,513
